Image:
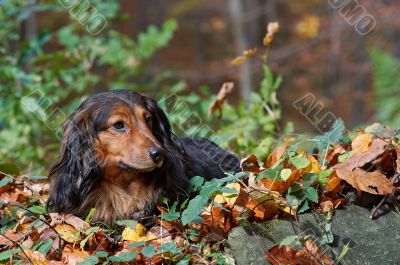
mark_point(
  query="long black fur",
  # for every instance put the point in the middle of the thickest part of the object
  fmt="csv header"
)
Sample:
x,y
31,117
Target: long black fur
x,y
77,172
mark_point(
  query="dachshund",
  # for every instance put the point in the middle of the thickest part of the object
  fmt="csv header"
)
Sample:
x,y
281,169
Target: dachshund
x,y
119,156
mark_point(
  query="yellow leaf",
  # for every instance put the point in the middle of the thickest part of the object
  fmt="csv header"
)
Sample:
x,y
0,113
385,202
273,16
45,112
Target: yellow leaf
x,y
136,235
273,27
228,198
67,232
35,257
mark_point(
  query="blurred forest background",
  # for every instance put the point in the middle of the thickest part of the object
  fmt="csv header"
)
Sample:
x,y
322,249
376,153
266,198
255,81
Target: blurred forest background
x,y
162,47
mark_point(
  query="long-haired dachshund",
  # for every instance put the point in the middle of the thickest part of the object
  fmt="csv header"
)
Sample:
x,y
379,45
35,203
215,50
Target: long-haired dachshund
x,y
118,155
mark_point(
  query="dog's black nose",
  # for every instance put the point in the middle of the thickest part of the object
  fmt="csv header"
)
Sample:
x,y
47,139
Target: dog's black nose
x,y
156,154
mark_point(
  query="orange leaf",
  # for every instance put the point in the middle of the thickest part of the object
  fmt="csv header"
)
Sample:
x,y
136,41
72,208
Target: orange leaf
x,y
372,182
361,143
225,90
250,164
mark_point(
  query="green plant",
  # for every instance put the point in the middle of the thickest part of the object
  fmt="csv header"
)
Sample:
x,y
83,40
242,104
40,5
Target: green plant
x,y
386,86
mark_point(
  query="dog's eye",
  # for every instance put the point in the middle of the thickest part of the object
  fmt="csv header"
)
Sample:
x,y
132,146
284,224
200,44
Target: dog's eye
x,y
119,125
148,119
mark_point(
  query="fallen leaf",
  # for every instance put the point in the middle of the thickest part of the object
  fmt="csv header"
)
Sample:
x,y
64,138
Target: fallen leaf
x,y
223,93
310,254
250,164
372,182
67,232
72,256
137,234
35,257
326,206
228,198
361,143
70,219
281,255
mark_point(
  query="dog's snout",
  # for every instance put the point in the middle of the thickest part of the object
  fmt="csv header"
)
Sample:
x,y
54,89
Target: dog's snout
x,y
156,154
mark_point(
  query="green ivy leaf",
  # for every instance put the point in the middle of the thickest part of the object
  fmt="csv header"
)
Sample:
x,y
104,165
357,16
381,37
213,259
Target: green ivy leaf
x,y
311,194
170,247
6,181
91,260
38,209
195,207
128,223
101,254
124,257
300,162
149,251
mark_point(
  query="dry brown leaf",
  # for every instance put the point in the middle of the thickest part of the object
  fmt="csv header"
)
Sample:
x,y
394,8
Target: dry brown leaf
x,y
310,254
223,93
326,206
361,143
70,219
278,152
247,54
272,29
250,164
35,257
282,186
372,182
281,255
377,148
72,256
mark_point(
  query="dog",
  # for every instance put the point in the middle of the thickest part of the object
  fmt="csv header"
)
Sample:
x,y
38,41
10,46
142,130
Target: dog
x,y
119,156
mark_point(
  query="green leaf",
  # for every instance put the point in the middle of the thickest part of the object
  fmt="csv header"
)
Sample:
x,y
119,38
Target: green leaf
x,y
195,207
5,181
45,246
91,260
128,223
149,251
270,173
124,257
304,207
170,247
5,255
9,168
137,244
323,175
312,194
285,173
300,162
101,254
37,177
38,209
183,262
289,240
195,183
343,253
171,216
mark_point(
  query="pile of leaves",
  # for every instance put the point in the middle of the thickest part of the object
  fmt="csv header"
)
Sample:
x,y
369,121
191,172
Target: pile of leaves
x,y
299,176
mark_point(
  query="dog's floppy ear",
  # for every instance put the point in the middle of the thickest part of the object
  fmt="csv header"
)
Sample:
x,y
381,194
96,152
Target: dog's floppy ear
x,y
161,125
72,175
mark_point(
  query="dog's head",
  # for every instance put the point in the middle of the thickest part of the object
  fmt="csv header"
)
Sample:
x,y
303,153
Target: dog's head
x,y
109,133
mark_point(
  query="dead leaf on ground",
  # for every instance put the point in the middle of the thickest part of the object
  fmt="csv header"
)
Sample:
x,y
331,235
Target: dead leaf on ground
x,y
278,152
250,164
377,148
281,255
372,182
310,254
67,232
35,257
361,143
72,256
223,93
70,219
